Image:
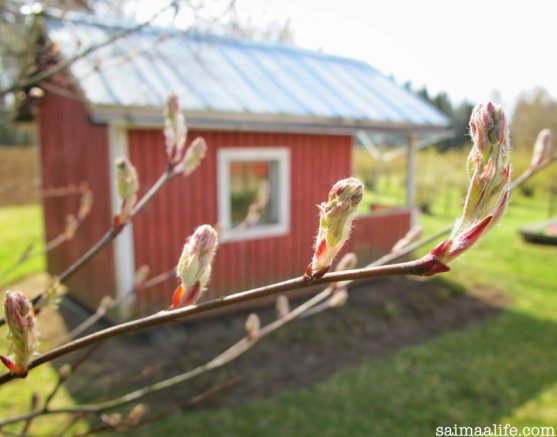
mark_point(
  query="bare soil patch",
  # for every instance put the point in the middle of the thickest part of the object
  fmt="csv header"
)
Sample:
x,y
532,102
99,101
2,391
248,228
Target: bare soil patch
x,y
379,318
19,176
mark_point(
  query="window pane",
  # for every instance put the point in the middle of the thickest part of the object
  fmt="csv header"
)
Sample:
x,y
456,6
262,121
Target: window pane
x,y
245,179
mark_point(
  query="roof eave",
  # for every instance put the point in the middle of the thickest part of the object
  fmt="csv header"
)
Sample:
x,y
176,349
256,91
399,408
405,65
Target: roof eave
x,y
144,117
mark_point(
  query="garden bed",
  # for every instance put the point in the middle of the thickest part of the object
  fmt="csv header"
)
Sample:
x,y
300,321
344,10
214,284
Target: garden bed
x,y
541,232
379,318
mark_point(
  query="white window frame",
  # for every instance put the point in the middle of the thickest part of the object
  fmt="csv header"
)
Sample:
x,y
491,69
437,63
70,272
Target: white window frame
x,y
281,155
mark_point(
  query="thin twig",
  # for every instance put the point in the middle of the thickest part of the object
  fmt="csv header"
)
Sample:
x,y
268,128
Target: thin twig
x,y
530,172
181,406
418,267
63,65
225,357
62,378
110,235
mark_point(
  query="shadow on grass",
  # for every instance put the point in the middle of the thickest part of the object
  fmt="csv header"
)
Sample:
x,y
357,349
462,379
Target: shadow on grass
x,y
473,377
395,361
356,363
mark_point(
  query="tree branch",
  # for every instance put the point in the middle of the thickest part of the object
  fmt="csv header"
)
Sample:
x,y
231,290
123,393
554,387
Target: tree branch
x,y
418,267
63,65
110,235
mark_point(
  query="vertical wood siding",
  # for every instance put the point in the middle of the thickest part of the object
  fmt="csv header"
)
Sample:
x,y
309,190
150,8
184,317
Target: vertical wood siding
x,y
317,162
74,151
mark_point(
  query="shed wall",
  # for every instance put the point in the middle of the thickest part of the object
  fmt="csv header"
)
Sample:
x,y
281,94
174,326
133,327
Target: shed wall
x,y
74,151
317,162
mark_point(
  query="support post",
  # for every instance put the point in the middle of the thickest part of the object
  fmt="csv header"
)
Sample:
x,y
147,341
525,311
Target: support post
x,y
123,245
411,177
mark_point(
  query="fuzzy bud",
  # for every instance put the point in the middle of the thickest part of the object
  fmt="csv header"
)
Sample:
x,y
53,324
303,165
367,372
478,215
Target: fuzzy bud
x,y
104,305
128,185
52,295
141,275
65,371
194,267
414,234
339,298
36,93
282,306
194,155
135,414
86,203
489,190
175,130
252,326
112,420
35,401
488,127
258,205
348,262
25,254
542,148
71,227
22,334
335,222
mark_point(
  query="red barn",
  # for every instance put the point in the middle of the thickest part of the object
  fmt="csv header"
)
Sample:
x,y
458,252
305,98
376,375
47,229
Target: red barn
x,y
267,111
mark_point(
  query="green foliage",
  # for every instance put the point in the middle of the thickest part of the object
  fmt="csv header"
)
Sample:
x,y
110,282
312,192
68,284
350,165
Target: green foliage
x,y
19,227
458,114
498,371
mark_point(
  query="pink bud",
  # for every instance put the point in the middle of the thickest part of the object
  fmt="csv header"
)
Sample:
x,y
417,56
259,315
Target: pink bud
x,y
450,248
542,148
414,234
128,185
135,414
488,126
85,206
339,298
489,189
141,275
175,130
65,371
348,262
335,223
21,324
112,420
258,205
194,155
71,227
194,267
252,326
282,306
52,295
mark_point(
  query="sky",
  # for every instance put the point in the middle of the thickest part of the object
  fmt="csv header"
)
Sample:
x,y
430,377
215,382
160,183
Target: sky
x,y
472,49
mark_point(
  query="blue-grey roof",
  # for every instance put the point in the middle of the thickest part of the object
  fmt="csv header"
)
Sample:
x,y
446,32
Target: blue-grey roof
x,y
234,81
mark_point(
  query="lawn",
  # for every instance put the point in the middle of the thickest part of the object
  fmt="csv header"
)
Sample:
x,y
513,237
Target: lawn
x,y
20,226
499,371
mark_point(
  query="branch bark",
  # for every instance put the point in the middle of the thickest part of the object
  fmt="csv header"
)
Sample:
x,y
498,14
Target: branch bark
x,y
65,64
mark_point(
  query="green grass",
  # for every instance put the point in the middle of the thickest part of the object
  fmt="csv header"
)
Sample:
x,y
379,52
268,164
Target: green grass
x,y
19,227
499,371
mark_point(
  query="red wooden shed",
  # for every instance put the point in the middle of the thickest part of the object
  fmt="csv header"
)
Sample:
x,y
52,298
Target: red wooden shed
x,y
267,111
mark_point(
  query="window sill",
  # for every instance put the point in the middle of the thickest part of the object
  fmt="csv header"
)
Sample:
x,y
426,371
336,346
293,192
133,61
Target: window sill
x,y
256,232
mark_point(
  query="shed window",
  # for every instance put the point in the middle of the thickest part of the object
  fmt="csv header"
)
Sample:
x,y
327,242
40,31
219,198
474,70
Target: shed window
x,y
242,172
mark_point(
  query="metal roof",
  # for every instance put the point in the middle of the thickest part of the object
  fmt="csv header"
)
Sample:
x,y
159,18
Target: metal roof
x,y
229,83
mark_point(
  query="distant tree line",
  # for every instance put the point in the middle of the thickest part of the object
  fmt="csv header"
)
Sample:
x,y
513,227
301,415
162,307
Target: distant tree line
x,y
535,110
458,114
